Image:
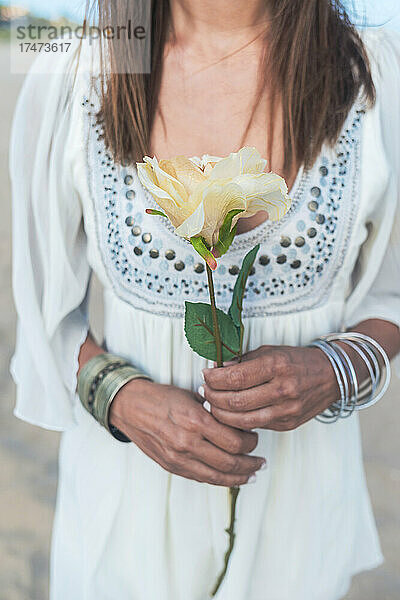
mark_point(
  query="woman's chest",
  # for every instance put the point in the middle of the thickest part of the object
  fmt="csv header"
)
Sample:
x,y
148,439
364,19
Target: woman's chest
x,y
152,269
207,109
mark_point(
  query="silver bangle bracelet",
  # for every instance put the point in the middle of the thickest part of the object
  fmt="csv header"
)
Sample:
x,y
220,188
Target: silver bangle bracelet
x,y
368,388
370,345
353,395
333,412
352,400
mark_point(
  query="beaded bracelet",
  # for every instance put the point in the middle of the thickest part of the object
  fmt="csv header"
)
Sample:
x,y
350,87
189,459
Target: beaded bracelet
x,y
108,388
91,374
99,381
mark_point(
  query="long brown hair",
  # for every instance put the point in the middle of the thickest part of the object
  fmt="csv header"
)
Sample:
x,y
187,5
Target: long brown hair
x,y
314,62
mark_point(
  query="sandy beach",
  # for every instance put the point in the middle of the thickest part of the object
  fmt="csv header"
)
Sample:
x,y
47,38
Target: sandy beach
x,y
28,455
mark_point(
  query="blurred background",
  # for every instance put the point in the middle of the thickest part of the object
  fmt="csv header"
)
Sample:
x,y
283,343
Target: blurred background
x,y
28,455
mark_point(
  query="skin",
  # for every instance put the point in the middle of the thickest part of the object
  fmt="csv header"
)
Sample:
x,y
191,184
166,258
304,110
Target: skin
x,y
210,71
171,426
282,387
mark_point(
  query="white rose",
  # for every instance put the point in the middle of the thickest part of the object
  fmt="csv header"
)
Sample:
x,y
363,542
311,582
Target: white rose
x,y
197,194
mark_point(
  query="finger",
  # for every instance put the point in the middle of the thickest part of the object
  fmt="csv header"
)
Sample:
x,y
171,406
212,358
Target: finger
x,y
251,354
193,469
245,400
263,418
235,464
228,363
240,376
185,466
226,438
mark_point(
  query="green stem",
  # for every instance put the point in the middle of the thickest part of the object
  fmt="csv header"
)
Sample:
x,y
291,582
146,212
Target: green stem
x,y
233,492
217,333
240,353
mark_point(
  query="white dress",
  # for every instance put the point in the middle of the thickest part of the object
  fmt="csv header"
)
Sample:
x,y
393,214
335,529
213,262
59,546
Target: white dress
x,y
124,527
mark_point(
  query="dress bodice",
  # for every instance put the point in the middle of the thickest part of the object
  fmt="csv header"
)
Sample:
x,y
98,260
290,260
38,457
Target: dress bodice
x,y
153,269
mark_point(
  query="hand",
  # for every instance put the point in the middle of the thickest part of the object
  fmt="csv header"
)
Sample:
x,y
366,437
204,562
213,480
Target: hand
x,y
171,426
274,387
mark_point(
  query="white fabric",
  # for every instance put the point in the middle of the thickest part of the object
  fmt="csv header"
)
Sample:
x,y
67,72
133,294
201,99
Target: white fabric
x,y
125,527
369,13
49,276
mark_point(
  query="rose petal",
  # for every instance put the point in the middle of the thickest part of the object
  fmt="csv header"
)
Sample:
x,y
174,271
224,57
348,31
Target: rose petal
x,y
265,191
149,181
247,160
167,182
164,200
193,225
208,161
218,199
185,171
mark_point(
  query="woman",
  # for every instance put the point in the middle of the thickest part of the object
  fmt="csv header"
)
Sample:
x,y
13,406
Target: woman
x,y
138,520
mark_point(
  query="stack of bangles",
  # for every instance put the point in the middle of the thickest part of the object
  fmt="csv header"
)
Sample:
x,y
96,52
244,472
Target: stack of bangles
x,y
99,381
354,396
101,378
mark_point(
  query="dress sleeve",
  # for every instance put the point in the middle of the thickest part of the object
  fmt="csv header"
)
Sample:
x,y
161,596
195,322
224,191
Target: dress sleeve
x,y
377,293
50,269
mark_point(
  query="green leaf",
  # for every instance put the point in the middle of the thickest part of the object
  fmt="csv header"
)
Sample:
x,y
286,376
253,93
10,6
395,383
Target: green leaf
x,y
199,245
226,235
235,310
200,333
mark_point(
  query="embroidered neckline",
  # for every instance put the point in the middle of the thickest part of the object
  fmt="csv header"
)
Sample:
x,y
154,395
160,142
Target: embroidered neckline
x,y
153,269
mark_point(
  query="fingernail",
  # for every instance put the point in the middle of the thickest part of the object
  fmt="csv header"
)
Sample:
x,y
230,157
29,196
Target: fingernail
x,y
202,376
207,406
200,390
263,466
251,479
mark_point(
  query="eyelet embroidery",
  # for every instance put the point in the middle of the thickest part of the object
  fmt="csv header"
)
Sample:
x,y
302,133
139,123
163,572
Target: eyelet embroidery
x,y
153,269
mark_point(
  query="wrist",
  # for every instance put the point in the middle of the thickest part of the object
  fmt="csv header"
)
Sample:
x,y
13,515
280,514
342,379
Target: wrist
x,y
100,380
88,350
357,362
328,380
123,405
